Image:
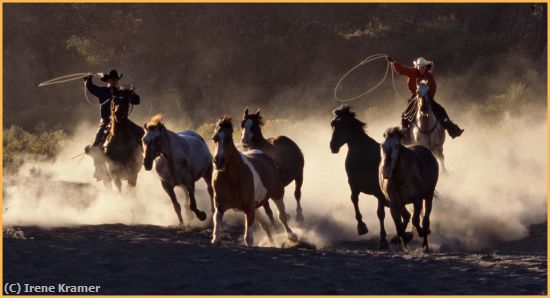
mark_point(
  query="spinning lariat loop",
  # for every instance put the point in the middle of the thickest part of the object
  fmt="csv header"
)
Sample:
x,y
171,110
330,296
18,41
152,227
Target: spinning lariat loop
x,y
366,61
73,77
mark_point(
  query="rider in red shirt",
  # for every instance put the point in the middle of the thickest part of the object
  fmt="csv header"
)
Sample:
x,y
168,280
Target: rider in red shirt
x,y
422,70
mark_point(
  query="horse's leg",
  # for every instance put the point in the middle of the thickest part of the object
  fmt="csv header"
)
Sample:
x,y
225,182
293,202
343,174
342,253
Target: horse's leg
x,y
396,216
406,215
298,196
218,218
265,225
382,243
416,216
193,203
118,184
438,153
283,218
170,191
269,212
426,222
361,226
249,221
208,180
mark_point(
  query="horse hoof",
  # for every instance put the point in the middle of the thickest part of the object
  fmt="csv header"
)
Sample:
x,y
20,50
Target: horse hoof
x,y
216,241
407,236
201,215
299,218
395,240
362,228
248,241
292,237
383,245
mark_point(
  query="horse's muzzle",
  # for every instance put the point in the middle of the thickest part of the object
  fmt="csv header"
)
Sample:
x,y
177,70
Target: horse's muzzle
x,y
219,163
147,164
334,148
386,172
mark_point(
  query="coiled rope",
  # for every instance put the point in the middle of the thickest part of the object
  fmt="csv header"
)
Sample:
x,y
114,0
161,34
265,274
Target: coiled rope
x,y
73,77
366,61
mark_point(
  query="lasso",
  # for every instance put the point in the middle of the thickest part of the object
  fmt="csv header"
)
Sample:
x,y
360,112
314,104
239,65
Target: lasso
x,y
73,77
366,61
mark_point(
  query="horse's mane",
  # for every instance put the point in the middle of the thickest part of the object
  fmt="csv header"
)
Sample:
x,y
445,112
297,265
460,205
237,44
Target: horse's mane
x,y
225,122
393,131
344,111
155,120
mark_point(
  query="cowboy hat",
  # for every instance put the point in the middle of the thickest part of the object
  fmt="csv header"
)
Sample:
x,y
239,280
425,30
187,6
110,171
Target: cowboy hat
x,y
421,62
113,74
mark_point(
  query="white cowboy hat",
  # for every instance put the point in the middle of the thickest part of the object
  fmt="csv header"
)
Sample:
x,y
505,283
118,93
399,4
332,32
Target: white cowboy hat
x,y
421,62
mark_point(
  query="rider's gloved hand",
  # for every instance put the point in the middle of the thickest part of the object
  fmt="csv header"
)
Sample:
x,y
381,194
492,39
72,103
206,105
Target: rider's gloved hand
x,y
389,59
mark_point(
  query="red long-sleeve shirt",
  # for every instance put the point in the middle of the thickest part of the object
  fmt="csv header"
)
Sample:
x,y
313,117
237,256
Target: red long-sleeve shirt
x,y
413,75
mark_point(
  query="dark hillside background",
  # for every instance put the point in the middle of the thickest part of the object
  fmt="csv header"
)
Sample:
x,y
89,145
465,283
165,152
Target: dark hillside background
x,y
198,61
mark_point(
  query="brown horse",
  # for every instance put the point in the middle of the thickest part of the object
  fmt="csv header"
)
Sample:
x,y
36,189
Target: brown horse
x,y
122,155
362,161
244,182
285,153
408,175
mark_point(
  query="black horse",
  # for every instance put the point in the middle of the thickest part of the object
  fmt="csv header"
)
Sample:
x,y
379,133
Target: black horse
x,y
362,164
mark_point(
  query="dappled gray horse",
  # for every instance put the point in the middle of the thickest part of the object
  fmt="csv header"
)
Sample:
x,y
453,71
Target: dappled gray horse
x,y
181,159
408,175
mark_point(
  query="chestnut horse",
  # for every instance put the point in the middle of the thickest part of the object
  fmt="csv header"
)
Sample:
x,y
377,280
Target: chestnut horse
x,y
285,153
244,182
362,161
408,175
181,159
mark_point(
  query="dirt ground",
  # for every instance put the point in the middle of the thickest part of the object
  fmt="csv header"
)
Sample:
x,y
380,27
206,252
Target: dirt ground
x,y
145,259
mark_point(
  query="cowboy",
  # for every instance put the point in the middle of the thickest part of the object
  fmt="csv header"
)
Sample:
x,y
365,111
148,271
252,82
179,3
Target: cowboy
x,y
105,94
422,70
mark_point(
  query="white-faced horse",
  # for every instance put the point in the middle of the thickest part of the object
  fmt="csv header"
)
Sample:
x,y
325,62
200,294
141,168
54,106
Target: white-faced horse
x,y
181,159
244,182
426,129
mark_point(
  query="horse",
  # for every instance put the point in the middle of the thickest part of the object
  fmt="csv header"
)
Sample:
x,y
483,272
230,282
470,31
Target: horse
x,y
408,175
121,155
362,161
285,153
181,159
244,181
427,130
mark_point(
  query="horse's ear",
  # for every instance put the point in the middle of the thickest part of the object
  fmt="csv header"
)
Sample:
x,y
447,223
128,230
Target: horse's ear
x,y
145,126
258,112
246,112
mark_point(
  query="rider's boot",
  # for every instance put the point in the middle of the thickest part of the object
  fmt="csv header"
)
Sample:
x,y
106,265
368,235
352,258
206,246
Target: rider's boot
x,y
453,129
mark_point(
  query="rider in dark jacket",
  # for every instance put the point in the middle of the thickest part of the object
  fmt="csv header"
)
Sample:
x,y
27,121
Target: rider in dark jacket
x,y
105,94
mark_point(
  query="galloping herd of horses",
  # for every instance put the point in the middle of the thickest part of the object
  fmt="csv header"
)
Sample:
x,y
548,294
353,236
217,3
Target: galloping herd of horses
x,y
402,170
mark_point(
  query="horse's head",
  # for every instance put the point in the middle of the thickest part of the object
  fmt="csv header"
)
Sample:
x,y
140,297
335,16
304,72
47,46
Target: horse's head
x,y
223,137
424,103
152,140
120,108
251,126
390,151
343,125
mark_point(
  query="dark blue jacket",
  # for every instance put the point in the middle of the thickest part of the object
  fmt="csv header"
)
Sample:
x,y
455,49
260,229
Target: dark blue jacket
x,y
105,94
